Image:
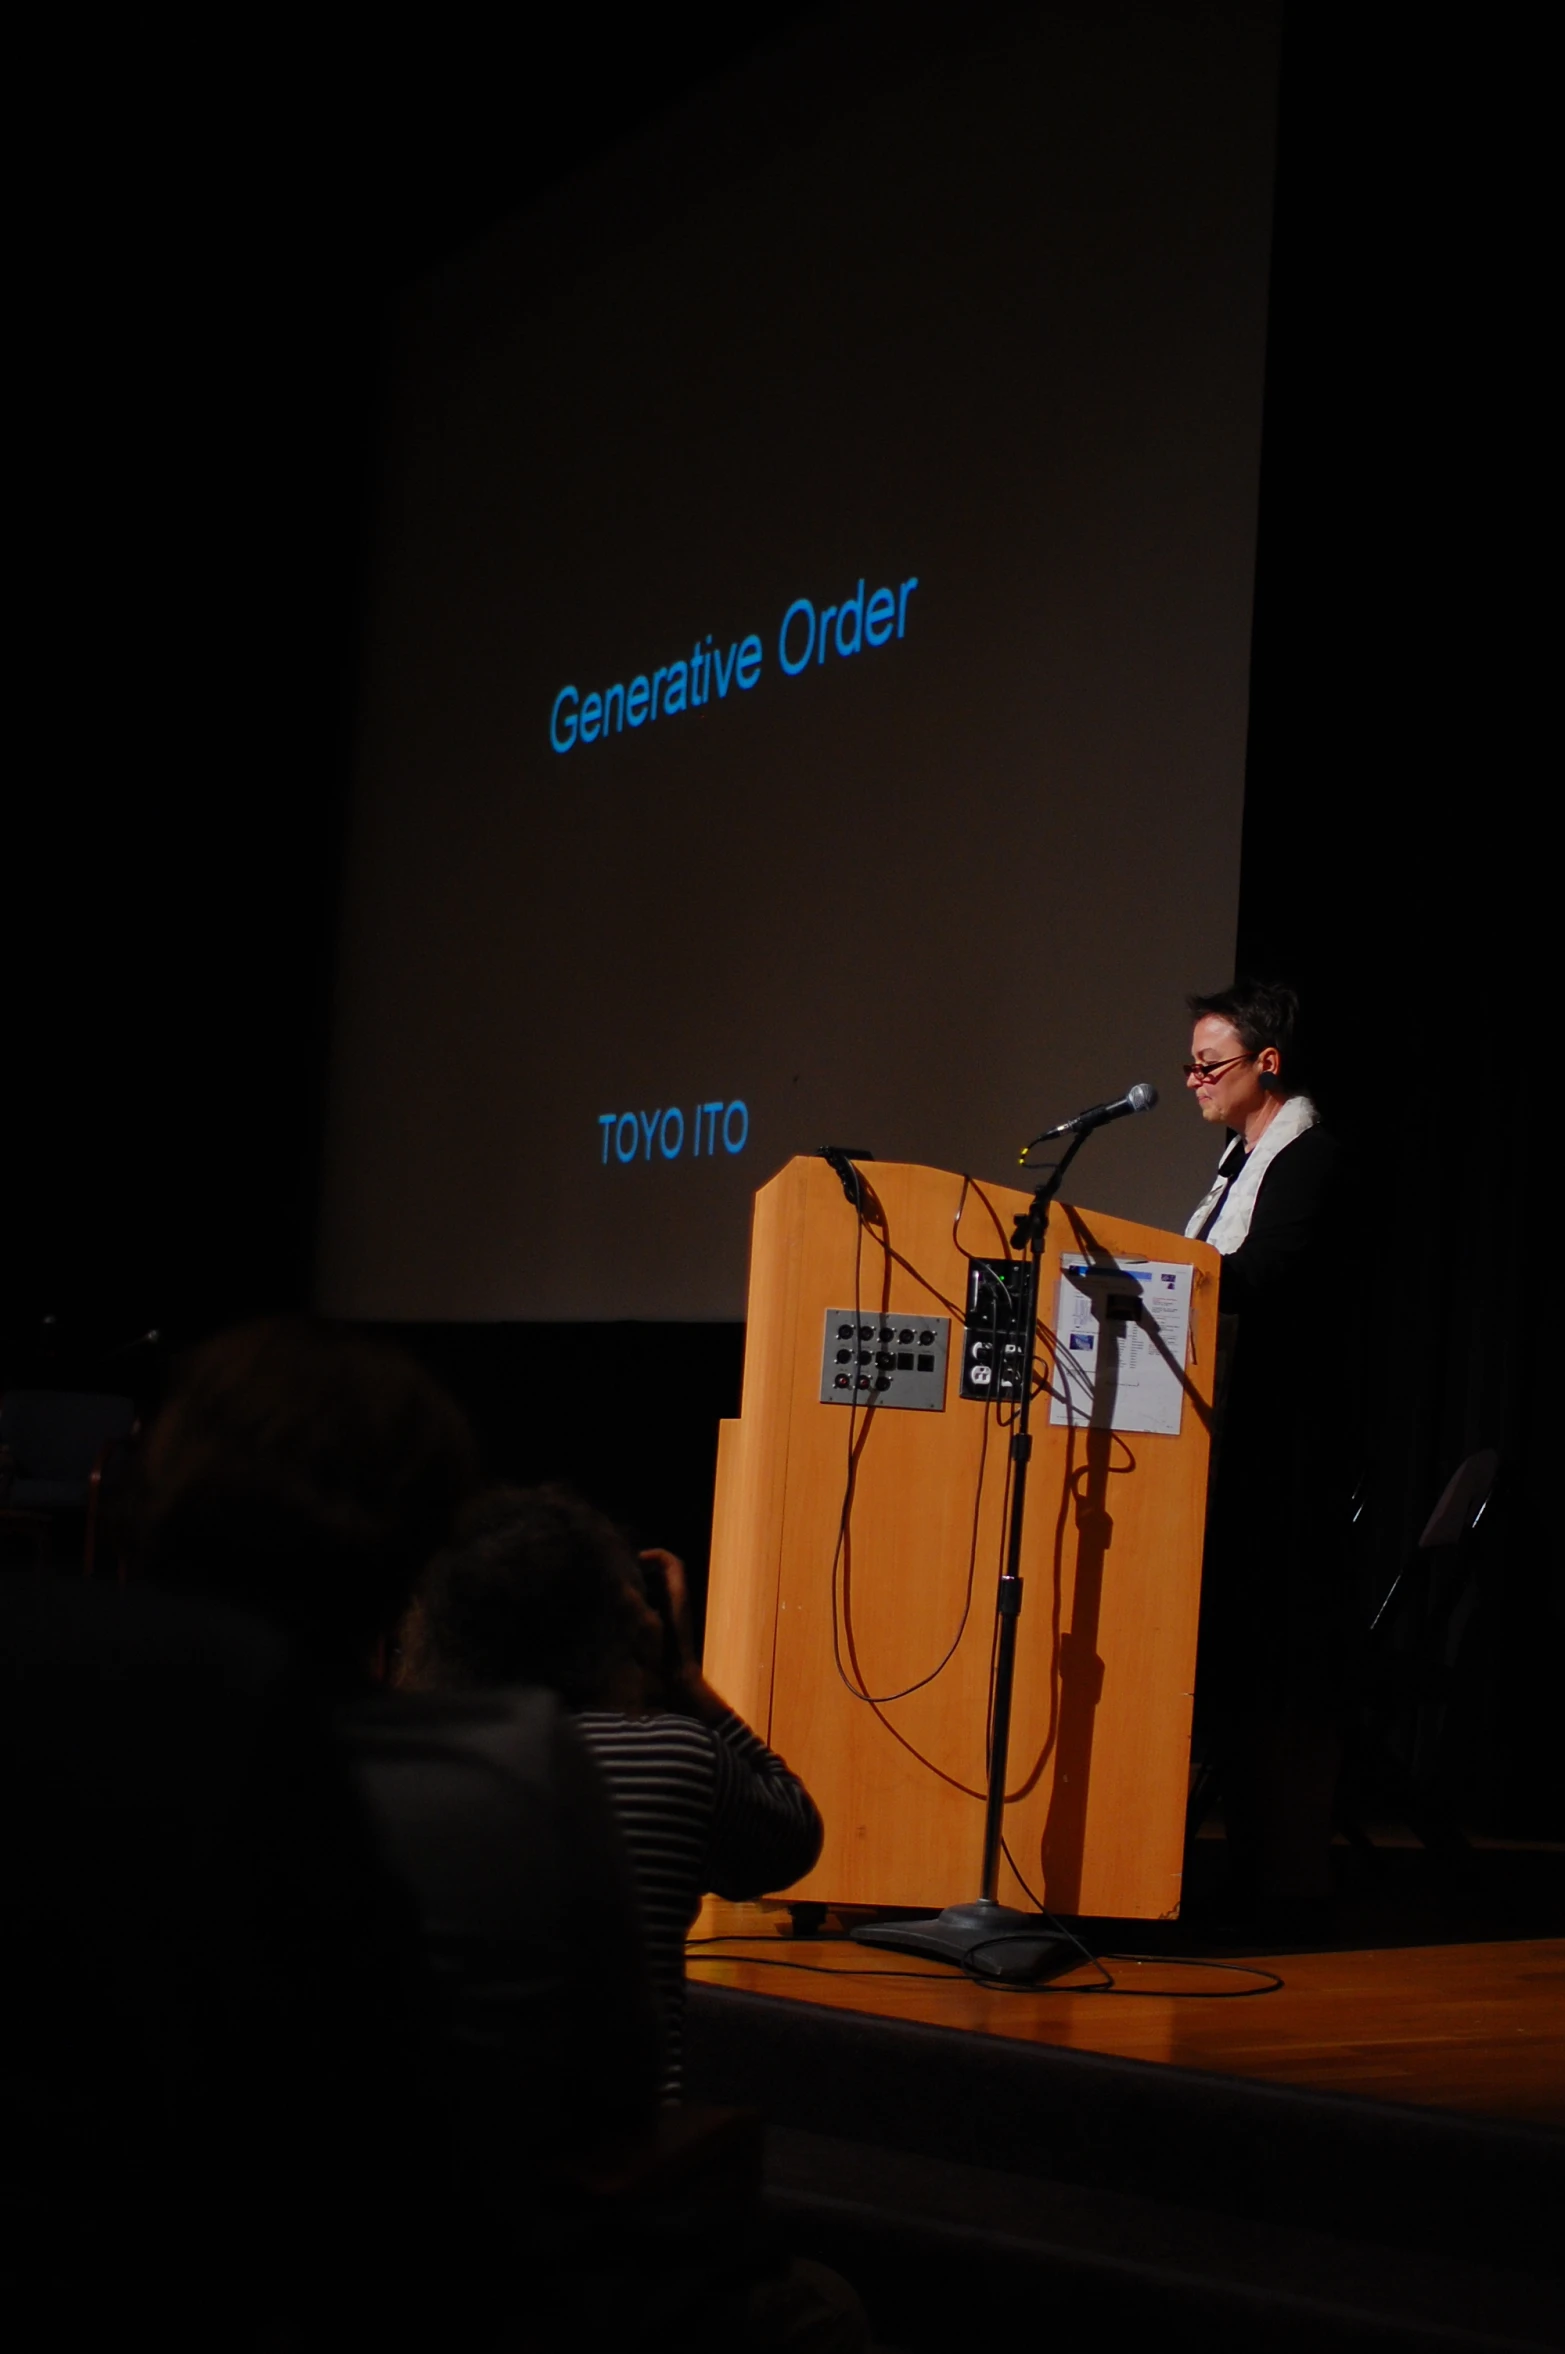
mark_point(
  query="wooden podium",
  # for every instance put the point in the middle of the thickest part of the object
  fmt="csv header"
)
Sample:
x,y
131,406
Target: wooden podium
x,y
799,1626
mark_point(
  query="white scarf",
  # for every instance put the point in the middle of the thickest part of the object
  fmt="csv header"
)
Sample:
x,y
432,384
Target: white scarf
x,y
1237,1193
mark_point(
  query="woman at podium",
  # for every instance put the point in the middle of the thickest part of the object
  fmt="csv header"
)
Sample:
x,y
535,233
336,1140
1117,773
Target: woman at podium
x,y
1273,1615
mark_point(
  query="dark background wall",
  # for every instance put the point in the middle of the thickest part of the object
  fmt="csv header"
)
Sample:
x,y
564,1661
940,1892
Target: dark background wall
x,y
210,243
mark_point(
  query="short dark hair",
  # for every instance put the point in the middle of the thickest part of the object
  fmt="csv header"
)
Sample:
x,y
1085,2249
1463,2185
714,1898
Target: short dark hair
x,y
535,1589
1260,1013
306,1473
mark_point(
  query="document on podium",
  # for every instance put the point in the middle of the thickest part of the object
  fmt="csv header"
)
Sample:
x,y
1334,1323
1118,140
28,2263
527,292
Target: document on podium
x,y
1123,1335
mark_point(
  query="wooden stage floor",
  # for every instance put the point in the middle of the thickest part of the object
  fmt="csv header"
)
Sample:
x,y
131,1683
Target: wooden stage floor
x,y
1474,2027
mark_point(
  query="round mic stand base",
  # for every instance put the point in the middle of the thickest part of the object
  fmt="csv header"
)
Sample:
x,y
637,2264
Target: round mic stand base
x,y
988,1940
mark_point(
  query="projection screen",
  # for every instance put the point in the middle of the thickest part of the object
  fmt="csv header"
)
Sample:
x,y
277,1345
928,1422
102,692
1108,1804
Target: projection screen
x,y
805,689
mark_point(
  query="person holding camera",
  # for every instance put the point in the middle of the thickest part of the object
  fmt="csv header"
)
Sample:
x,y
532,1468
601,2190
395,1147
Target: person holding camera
x,y
541,1589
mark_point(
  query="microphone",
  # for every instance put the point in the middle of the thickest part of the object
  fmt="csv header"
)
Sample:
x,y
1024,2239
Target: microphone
x,y
1139,1098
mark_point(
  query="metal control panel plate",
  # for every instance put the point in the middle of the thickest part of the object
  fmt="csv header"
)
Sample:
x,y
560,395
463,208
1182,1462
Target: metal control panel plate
x,y
872,1360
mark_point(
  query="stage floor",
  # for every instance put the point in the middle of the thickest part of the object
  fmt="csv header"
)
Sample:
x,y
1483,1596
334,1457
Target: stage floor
x,y
1473,2027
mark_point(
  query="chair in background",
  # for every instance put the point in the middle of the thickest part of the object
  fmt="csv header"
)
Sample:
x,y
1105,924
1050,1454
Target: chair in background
x,y
1206,1765
60,1452
1454,1520
1401,1756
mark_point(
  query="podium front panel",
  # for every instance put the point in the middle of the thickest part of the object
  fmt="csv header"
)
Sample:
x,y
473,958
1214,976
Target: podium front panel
x,y
851,1612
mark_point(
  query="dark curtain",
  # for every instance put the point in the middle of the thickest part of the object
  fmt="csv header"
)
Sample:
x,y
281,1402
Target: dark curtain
x,y
1391,850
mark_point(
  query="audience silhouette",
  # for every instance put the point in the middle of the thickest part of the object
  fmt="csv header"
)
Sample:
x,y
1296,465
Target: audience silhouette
x,y
340,2014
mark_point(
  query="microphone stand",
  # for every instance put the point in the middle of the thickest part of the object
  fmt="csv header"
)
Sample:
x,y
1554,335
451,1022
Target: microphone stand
x,y
1024,1948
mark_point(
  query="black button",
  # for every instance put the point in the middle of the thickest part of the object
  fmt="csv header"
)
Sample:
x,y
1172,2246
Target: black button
x,y
883,1357
844,1332
844,1356
926,1364
883,1381
926,1340
906,1336
904,1360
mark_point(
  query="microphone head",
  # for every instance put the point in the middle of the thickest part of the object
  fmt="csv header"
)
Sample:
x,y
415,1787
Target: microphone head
x,y
1142,1096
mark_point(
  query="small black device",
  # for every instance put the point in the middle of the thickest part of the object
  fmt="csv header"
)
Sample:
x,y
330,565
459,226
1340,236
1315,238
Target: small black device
x,y
994,1347
672,1662
841,1158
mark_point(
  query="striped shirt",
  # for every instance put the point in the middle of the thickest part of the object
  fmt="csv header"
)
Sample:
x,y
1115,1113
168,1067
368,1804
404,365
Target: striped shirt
x,y
702,1808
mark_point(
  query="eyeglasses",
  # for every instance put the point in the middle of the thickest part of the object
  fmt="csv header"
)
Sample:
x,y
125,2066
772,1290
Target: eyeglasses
x,y
1214,1070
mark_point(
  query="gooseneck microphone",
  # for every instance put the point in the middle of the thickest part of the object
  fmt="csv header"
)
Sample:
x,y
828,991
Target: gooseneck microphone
x,y
1139,1098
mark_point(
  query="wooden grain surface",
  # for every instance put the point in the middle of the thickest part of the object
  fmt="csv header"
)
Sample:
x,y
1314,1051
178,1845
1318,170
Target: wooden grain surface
x,y
1467,2027
1111,1570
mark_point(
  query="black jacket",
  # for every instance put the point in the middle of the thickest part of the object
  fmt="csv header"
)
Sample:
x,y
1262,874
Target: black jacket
x,y
1296,1229
1289,1449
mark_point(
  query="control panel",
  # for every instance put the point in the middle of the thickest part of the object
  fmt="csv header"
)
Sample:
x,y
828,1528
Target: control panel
x,y
993,1349
872,1360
